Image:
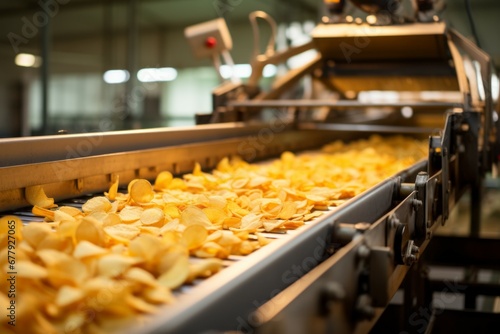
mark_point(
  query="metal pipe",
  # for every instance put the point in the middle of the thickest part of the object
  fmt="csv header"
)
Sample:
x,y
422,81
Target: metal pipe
x,y
44,74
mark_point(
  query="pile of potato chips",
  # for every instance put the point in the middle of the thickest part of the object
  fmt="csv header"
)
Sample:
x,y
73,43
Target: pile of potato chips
x,y
93,270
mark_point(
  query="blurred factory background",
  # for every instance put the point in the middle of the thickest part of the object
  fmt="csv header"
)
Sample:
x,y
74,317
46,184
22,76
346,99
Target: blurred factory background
x,y
102,65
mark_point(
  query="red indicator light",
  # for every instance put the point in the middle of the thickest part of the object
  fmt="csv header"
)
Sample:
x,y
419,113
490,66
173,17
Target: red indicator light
x,y
210,42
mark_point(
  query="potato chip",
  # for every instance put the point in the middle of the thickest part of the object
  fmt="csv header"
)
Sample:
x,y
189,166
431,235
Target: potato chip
x,y
27,269
158,294
35,195
96,204
113,189
85,249
204,268
193,215
112,265
140,305
39,211
67,272
194,236
131,214
68,295
141,191
34,233
162,181
90,229
141,276
176,274
122,232
152,216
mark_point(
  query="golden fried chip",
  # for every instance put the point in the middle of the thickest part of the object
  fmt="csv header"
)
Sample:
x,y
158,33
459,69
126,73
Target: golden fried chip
x,y
158,294
68,295
131,214
176,274
27,269
152,216
204,268
122,232
113,189
85,249
90,229
96,204
141,276
34,233
141,191
163,180
35,195
39,211
193,215
112,265
194,236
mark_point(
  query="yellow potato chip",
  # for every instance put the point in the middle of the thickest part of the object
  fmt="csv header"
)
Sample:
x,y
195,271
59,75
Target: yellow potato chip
x,y
68,295
288,210
85,249
122,232
193,215
194,236
27,269
176,274
112,265
158,294
140,305
205,268
162,181
152,216
113,189
39,211
96,204
90,229
35,195
141,276
34,233
141,191
130,214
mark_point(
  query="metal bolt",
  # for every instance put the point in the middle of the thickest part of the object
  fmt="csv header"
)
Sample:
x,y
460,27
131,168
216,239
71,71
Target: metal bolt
x,y
364,308
415,249
363,252
417,204
334,291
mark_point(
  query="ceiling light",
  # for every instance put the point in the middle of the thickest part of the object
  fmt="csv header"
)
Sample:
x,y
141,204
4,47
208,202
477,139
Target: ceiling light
x,y
157,74
27,60
116,76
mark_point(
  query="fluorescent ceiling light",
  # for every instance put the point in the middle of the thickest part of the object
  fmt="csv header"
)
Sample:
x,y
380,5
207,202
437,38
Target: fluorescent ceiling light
x,y
269,71
27,60
116,76
245,70
240,71
157,74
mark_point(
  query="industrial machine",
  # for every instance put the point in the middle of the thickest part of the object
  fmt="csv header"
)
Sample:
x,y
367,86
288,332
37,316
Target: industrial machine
x,y
339,273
